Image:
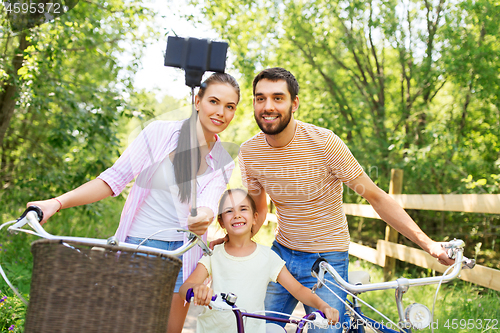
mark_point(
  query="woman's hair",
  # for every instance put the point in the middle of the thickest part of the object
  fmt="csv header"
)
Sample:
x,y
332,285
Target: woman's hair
x,y
182,159
226,194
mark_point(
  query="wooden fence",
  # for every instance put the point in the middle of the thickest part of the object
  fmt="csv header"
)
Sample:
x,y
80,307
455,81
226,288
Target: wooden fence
x,y
470,203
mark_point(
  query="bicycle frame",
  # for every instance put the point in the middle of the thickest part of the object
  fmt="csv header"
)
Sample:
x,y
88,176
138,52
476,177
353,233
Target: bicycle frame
x,y
401,285
227,302
359,325
301,324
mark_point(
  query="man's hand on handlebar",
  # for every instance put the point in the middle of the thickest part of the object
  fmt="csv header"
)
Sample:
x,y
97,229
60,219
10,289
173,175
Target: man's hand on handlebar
x,y
48,207
437,251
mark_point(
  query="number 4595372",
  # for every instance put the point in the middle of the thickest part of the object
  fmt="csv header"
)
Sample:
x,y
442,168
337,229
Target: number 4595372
x,y
32,8
471,324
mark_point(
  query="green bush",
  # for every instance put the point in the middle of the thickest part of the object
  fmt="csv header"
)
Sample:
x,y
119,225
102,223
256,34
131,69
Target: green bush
x,y
12,312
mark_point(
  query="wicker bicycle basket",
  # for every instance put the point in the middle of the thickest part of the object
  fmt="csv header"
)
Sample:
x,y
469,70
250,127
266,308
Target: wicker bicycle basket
x,y
76,287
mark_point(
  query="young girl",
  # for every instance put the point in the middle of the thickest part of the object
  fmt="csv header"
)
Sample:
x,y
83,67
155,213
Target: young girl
x,y
244,268
159,159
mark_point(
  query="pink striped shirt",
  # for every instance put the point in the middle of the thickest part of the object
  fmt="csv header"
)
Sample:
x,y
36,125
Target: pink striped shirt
x,y
142,158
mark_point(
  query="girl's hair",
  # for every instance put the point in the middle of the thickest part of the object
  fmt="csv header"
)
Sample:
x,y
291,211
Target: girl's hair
x,y
182,159
230,191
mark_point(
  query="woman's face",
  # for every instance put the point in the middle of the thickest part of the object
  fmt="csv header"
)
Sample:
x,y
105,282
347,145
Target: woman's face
x,y
217,107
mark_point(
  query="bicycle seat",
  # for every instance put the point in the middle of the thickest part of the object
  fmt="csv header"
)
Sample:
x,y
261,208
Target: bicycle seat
x,y
359,277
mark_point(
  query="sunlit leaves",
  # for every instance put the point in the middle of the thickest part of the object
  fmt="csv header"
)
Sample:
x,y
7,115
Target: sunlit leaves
x,y
383,74
72,89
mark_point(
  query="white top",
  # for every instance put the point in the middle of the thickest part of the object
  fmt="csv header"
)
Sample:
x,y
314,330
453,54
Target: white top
x,y
140,161
247,277
162,208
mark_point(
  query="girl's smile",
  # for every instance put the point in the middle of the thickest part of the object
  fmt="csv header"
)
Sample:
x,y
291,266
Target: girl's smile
x,y
237,215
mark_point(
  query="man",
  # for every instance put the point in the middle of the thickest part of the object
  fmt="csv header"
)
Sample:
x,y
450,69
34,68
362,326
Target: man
x,y
302,168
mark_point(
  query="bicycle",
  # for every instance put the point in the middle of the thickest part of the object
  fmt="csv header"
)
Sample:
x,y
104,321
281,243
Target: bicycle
x,y
86,284
227,302
415,316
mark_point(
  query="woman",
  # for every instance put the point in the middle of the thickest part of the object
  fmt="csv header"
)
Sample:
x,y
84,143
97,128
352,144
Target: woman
x,y
160,160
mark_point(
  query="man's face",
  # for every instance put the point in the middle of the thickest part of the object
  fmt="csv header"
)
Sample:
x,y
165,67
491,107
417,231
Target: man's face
x,y
273,106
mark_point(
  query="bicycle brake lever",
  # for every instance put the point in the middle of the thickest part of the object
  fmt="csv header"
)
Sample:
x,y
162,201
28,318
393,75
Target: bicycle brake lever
x,y
201,243
452,247
205,248
317,285
220,304
468,263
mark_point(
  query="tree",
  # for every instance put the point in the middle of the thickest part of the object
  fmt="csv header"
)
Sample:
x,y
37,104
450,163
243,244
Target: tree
x,y
63,86
377,73
407,84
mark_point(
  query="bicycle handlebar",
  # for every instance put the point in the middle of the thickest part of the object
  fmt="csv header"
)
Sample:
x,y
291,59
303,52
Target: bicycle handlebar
x,y
190,295
227,301
22,220
33,215
455,250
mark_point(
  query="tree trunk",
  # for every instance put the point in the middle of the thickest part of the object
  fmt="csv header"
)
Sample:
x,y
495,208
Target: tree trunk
x,y
10,88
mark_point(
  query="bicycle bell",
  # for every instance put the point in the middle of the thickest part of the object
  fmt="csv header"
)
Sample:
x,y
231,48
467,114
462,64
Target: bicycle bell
x,y
230,298
418,315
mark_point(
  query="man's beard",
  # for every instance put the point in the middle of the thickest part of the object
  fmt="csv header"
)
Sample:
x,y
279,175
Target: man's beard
x,y
273,129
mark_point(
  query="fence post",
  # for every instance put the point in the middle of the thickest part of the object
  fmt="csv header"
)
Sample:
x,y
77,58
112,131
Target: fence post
x,y
391,235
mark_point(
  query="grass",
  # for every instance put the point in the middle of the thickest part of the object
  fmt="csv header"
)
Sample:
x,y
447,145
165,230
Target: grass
x,y
98,220
458,303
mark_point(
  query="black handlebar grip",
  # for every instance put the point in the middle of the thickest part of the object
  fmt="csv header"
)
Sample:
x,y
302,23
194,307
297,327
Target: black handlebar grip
x,y
315,266
36,209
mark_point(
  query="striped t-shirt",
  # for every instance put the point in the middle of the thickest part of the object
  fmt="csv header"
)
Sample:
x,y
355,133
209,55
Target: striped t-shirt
x,y
304,180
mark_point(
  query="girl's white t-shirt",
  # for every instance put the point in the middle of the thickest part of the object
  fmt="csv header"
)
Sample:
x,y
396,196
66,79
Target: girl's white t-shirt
x,y
247,277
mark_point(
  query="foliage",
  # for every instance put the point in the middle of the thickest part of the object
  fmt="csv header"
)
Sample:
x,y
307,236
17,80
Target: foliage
x,y
66,93
410,85
12,312
69,93
98,220
378,74
17,262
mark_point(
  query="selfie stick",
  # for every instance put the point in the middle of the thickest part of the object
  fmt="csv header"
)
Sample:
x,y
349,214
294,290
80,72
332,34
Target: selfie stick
x,y
195,56
193,138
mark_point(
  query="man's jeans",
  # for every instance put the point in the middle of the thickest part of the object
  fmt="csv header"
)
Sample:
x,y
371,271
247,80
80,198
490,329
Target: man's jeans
x,y
299,264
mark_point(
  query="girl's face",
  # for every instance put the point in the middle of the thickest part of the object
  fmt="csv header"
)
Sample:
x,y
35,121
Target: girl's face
x,y
237,216
217,107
